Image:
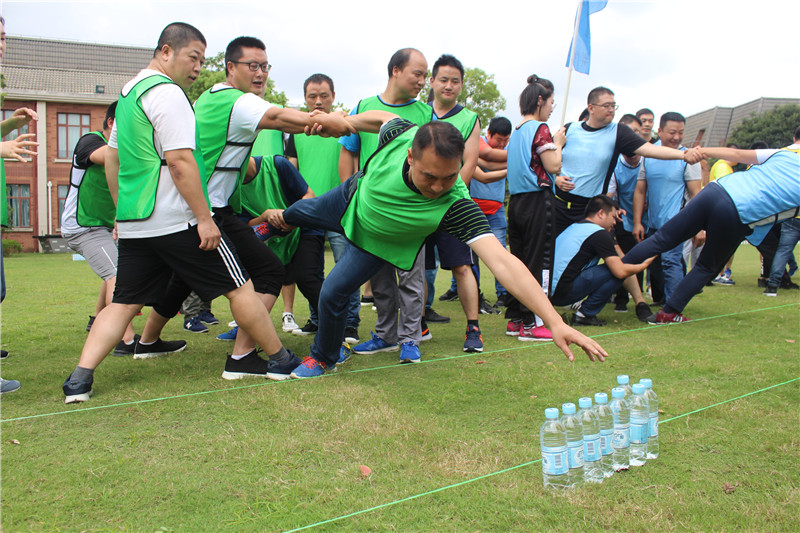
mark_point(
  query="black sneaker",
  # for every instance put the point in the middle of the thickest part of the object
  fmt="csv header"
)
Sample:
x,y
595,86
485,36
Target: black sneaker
x,y
278,372
449,296
621,307
3,354
578,320
643,312
426,331
249,365
309,329
762,283
157,349
367,300
350,335
502,300
126,350
436,318
91,321
771,290
77,391
485,308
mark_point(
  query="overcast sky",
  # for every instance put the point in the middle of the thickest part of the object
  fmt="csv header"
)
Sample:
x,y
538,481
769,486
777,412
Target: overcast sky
x,y
669,55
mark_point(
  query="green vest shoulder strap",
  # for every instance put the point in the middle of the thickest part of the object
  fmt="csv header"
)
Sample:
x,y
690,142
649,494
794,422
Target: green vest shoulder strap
x,y
415,111
213,109
95,205
464,121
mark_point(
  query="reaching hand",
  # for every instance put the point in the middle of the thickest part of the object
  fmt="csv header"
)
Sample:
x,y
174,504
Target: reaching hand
x,y
563,336
19,147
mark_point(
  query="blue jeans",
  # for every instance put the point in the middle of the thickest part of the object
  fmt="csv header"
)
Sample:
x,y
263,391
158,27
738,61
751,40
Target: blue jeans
x,y
672,266
355,267
597,284
339,244
498,225
790,235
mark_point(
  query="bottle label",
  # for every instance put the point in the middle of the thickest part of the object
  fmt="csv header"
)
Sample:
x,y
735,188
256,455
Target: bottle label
x,y
606,436
639,432
555,461
591,448
622,436
653,427
575,452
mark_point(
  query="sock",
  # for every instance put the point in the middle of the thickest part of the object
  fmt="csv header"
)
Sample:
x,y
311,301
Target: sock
x,y
472,323
236,357
81,374
580,314
147,343
539,321
281,356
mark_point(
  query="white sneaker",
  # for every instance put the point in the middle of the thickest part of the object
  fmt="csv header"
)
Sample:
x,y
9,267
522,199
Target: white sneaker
x,y
288,322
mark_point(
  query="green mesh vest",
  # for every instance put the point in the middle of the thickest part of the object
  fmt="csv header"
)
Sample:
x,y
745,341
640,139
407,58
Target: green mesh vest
x,y
4,192
464,121
95,205
139,163
264,192
318,161
415,111
269,142
385,217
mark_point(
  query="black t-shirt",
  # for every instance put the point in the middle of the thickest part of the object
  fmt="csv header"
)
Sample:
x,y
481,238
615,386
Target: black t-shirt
x,y
598,244
84,148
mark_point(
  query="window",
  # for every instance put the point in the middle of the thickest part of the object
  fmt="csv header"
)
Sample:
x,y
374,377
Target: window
x,y
71,127
13,134
19,205
62,199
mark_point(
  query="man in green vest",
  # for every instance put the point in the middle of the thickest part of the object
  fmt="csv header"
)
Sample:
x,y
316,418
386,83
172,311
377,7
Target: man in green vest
x,y
409,188
393,289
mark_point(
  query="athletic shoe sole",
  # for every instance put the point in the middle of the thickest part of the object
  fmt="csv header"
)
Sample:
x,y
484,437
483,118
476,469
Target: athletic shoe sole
x,y
527,339
473,350
78,398
370,352
151,355
240,375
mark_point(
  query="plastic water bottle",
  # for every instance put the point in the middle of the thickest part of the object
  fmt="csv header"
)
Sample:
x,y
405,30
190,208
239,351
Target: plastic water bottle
x,y
605,419
553,439
592,455
652,428
623,381
640,419
574,430
622,429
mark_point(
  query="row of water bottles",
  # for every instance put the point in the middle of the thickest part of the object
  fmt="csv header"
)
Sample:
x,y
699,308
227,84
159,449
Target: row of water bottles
x,y
592,442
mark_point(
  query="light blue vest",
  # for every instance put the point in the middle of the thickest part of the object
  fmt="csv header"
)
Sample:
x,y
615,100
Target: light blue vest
x,y
665,189
569,243
521,178
586,158
495,191
626,177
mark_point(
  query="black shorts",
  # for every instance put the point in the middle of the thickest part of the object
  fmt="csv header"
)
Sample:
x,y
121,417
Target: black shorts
x,y
452,252
146,265
264,267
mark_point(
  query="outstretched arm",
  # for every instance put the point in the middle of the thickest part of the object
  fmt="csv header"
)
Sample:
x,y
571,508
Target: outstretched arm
x,y
748,157
520,282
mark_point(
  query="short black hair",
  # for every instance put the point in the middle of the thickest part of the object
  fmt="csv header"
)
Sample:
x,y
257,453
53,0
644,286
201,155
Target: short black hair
x,y
318,78
797,134
400,59
447,60
445,138
670,116
111,112
177,35
584,114
644,111
629,119
234,50
597,91
499,126
601,202
529,98
759,145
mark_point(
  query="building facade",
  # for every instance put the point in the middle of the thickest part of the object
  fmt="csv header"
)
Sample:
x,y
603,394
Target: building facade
x,y
69,85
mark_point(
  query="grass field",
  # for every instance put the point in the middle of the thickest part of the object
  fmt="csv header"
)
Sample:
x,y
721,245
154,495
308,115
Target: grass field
x,y
452,443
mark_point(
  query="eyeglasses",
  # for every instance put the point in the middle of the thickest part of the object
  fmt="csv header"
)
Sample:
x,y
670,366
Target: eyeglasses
x,y
607,106
253,66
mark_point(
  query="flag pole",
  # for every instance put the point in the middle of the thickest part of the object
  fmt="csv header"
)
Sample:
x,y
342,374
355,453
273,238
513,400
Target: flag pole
x,y
571,61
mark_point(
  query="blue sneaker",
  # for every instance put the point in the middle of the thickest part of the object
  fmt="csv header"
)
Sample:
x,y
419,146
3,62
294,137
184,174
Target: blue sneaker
x,y
473,340
77,391
194,325
9,385
309,368
409,353
208,318
228,335
278,372
374,345
345,353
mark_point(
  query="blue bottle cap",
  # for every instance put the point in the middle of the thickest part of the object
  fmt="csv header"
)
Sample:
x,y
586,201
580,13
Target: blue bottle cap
x,y
568,408
647,382
617,392
638,388
600,397
551,413
584,403
623,379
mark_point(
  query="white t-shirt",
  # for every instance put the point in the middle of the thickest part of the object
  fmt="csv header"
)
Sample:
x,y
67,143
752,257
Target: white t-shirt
x,y
172,117
243,128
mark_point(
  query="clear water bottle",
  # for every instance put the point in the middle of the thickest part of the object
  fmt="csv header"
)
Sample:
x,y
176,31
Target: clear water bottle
x,y
623,381
574,430
592,455
553,439
640,419
605,419
652,428
622,429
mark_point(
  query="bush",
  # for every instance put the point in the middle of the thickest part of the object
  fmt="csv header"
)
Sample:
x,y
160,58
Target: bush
x,y
10,246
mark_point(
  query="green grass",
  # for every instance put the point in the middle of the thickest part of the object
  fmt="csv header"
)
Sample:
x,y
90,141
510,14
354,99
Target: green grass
x,y
452,443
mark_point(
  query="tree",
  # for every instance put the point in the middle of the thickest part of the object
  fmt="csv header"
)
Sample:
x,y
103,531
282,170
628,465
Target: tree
x,y
214,72
776,127
479,94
